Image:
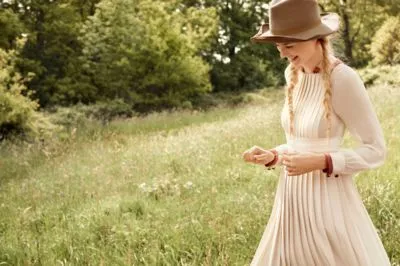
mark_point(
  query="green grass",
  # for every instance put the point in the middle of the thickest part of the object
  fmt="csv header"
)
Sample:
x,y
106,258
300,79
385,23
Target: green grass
x,y
168,189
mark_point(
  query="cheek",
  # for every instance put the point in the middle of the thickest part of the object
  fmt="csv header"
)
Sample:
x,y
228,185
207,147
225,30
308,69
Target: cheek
x,y
302,54
296,51
306,52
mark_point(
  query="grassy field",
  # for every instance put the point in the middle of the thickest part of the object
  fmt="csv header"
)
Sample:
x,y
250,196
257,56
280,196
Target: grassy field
x,y
167,189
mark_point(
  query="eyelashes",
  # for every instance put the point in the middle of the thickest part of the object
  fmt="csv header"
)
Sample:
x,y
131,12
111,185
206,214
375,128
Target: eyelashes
x,y
286,46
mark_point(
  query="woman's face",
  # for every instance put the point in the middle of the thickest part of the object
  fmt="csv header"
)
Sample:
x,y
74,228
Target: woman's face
x,y
298,53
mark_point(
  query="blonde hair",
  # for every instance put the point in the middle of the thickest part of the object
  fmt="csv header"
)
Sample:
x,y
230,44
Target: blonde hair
x,y
326,75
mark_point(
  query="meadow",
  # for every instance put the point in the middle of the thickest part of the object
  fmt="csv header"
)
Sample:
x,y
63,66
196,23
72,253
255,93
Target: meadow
x,y
166,189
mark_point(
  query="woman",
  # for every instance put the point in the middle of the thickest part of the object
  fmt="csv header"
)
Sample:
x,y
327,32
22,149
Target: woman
x,y
318,217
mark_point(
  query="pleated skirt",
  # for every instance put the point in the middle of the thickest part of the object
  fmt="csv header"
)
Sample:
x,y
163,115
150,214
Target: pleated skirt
x,y
321,221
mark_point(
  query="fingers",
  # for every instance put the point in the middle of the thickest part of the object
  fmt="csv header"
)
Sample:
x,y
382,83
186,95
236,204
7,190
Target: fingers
x,y
289,159
293,174
247,157
255,150
295,171
292,171
289,164
255,154
261,157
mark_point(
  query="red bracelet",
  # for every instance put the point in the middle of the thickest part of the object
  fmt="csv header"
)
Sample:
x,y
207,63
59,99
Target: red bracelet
x,y
273,162
329,166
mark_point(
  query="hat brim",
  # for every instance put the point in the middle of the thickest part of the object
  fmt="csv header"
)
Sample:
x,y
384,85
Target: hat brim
x,y
329,24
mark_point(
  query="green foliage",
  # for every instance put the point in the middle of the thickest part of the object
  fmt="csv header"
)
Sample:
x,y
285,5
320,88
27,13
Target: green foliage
x,y
237,64
382,74
247,70
69,117
11,28
52,53
109,110
18,114
391,7
146,54
359,20
80,114
156,55
385,47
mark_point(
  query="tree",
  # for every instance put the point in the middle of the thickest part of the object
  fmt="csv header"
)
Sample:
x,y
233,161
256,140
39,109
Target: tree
x,y
147,53
17,111
357,26
52,49
11,28
385,46
237,64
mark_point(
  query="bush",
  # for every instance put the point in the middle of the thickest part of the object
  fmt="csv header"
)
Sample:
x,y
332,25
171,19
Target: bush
x,y
68,117
385,46
80,114
152,64
384,74
18,115
108,110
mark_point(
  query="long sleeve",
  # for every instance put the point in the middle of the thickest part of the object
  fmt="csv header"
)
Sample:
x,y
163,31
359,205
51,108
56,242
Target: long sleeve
x,y
350,101
283,148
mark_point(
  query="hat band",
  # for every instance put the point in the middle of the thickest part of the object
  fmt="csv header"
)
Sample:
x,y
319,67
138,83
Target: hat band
x,y
296,30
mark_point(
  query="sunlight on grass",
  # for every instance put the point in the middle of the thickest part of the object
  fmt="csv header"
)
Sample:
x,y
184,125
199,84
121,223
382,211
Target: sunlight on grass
x,y
168,189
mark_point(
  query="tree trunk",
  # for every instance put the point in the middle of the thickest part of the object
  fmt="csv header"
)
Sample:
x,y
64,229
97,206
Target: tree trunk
x,y
348,44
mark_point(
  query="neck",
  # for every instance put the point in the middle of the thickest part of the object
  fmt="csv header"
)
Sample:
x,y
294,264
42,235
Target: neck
x,y
315,61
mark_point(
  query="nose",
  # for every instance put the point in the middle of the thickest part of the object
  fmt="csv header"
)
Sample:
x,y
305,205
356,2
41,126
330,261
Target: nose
x,y
283,52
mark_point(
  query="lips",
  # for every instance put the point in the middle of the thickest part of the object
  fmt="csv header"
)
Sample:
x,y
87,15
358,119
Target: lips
x,y
293,59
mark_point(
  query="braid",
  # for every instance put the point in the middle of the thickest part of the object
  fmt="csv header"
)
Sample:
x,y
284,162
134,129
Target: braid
x,y
326,75
289,95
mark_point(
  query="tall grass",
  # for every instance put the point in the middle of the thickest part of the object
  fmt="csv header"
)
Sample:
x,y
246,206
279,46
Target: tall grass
x,y
169,189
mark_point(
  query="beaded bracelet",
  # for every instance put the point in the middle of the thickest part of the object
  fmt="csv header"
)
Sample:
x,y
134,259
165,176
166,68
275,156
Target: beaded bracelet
x,y
329,166
273,162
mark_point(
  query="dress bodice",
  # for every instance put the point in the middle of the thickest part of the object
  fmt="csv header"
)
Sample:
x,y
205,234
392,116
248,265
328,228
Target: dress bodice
x,y
309,110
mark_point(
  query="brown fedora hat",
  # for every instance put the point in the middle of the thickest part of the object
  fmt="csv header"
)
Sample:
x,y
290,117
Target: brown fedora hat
x,y
296,20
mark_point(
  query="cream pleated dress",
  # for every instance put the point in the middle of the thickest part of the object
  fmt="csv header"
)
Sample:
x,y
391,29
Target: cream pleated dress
x,y
319,220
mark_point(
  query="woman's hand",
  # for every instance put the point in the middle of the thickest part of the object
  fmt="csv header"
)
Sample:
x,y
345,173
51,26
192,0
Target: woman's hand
x,y
258,155
304,162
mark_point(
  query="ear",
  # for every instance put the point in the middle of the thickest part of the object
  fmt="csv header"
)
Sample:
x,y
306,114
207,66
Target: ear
x,y
319,41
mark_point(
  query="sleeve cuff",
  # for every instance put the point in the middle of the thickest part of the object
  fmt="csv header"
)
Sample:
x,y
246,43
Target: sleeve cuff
x,y
283,148
338,162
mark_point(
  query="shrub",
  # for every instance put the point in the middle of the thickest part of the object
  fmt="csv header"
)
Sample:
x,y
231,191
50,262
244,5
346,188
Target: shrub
x,y
107,110
18,113
80,115
385,47
384,74
152,64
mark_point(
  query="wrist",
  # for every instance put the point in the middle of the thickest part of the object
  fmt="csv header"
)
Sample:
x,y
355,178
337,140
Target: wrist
x,y
328,165
321,162
274,159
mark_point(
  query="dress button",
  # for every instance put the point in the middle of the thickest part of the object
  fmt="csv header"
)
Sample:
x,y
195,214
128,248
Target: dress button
x,y
336,175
